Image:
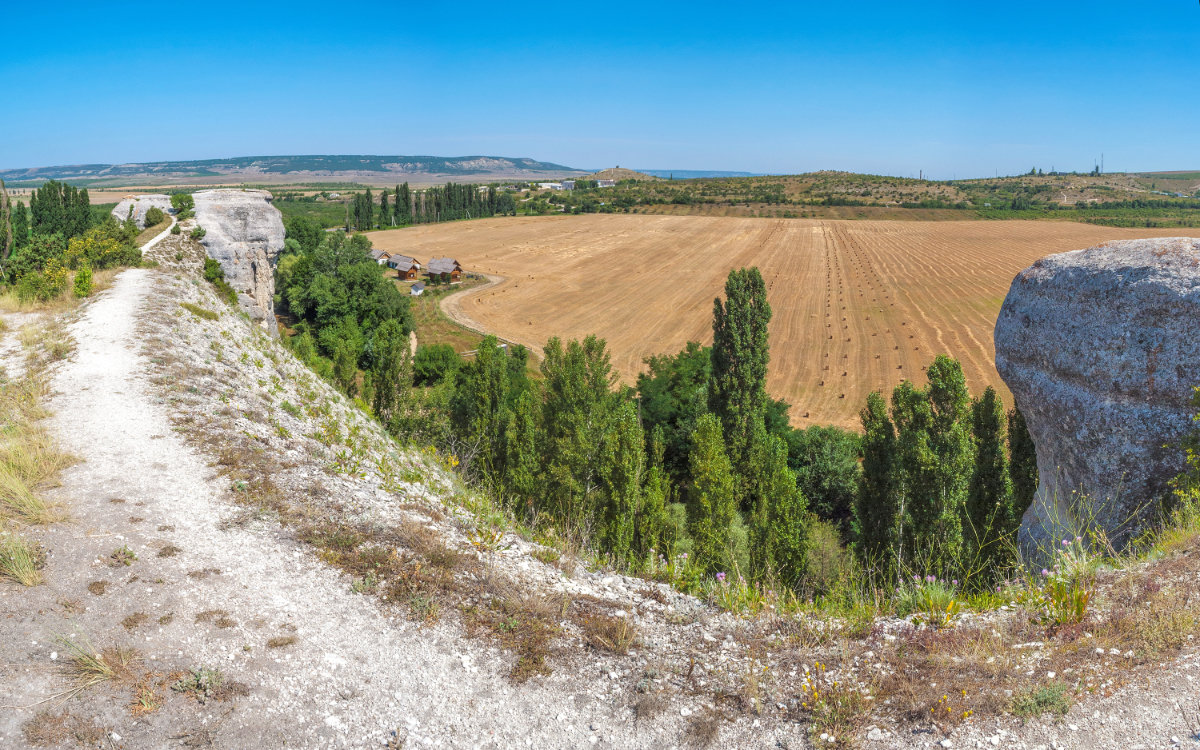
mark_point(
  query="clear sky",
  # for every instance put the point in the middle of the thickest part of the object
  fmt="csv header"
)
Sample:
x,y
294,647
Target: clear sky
x,y
951,88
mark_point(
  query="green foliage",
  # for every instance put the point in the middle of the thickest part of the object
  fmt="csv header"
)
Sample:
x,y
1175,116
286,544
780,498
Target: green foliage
x,y
435,363
622,454
779,528
990,507
484,390
214,274
712,505
154,216
183,203
673,394
877,508
83,281
737,387
825,460
1022,464
391,375
20,228
306,232
655,532
198,232
1051,698
57,208
175,229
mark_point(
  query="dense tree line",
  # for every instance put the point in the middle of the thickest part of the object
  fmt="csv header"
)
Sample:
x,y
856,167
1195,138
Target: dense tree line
x,y
404,206
945,479
42,247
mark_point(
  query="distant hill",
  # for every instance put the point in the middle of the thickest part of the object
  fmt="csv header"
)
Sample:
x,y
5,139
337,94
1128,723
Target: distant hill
x,y
620,173
695,174
313,168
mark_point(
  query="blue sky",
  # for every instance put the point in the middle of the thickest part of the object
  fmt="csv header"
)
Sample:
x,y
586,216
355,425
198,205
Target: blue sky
x,y
955,89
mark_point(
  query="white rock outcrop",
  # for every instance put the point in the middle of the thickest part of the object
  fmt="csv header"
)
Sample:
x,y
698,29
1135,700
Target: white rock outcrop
x,y
141,204
1101,349
244,232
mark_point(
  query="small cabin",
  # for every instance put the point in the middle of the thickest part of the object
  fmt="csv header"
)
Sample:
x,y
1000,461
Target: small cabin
x,y
417,289
446,268
406,268
380,256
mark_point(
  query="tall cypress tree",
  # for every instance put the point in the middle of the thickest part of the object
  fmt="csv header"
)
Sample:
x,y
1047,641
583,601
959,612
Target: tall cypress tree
x,y
522,455
385,213
779,527
989,499
737,387
654,530
877,509
1022,463
712,504
391,371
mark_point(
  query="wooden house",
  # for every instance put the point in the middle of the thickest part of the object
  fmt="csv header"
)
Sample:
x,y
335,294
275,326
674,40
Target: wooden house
x,y
445,267
407,268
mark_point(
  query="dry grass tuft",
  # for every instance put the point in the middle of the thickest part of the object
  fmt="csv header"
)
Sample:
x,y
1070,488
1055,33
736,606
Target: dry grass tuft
x,y
97,588
218,617
90,667
608,633
281,641
703,730
47,729
21,560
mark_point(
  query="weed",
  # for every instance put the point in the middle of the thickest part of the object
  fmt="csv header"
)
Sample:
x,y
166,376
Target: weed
x,y
1035,701
166,619
201,683
934,602
122,556
21,560
146,700
91,667
133,621
833,708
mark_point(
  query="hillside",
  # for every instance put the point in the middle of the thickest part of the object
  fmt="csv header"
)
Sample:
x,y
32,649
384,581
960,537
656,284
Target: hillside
x,y
368,169
620,173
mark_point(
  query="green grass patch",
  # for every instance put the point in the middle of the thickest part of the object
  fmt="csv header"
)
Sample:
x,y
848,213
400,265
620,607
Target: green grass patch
x,y
1034,702
199,312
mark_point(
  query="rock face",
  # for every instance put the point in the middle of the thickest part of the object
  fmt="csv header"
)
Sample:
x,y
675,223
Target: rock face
x,y
1101,351
141,204
245,233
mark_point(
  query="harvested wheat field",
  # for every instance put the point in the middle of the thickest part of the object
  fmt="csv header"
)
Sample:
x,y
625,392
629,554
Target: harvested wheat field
x,y
858,305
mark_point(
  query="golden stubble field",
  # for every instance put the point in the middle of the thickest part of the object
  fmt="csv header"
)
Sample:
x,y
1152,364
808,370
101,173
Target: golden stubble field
x,y
858,305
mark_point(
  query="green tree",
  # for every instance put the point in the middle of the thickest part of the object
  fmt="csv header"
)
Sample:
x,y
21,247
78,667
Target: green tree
x,y
20,227
737,388
989,498
477,409
877,507
825,460
345,367
673,393
154,217
182,203
522,454
654,531
779,527
950,441
622,457
391,375
6,224
435,363
712,505
1022,463
306,232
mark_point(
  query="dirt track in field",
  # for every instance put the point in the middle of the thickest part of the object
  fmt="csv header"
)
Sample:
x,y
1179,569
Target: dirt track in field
x,y
858,305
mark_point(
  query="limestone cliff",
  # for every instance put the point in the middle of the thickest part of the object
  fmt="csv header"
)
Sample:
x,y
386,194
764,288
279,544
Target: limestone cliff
x,y
244,232
141,204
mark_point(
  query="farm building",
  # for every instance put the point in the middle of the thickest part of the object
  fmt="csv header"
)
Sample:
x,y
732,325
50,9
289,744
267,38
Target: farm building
x,y
406,267
550,185
606,183
417,289
445,267
568,184
380,256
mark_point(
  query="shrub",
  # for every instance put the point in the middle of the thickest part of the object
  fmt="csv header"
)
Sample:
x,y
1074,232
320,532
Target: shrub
x,y
183,203
154,217
435,363
934,602
175,229
45,285
215,275
83,281
197,233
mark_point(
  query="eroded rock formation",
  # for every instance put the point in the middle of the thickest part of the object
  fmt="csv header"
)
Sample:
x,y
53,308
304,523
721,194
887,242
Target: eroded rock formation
x,y
245,233
1101,350
141,204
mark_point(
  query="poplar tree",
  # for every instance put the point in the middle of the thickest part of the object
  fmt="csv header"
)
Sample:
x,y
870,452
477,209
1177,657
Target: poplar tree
x,y
779,526
712,504
915,474
391,370
522,465
989,500
621,466
877,507
950,441
477,409
1022,463
6,224
20,226
384,212
737,387
654,530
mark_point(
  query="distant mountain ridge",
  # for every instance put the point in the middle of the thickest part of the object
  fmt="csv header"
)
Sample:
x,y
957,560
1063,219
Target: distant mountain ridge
x,y
329,165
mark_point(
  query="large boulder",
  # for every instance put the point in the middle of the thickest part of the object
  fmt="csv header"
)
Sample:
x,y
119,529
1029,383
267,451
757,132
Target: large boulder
x,y
141,204
244,232
1101,352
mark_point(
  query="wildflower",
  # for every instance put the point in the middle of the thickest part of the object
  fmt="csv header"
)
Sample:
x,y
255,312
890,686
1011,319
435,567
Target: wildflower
x,y
1066,542
684,555
1079,539
954,582
930,579
1045,572
721,577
